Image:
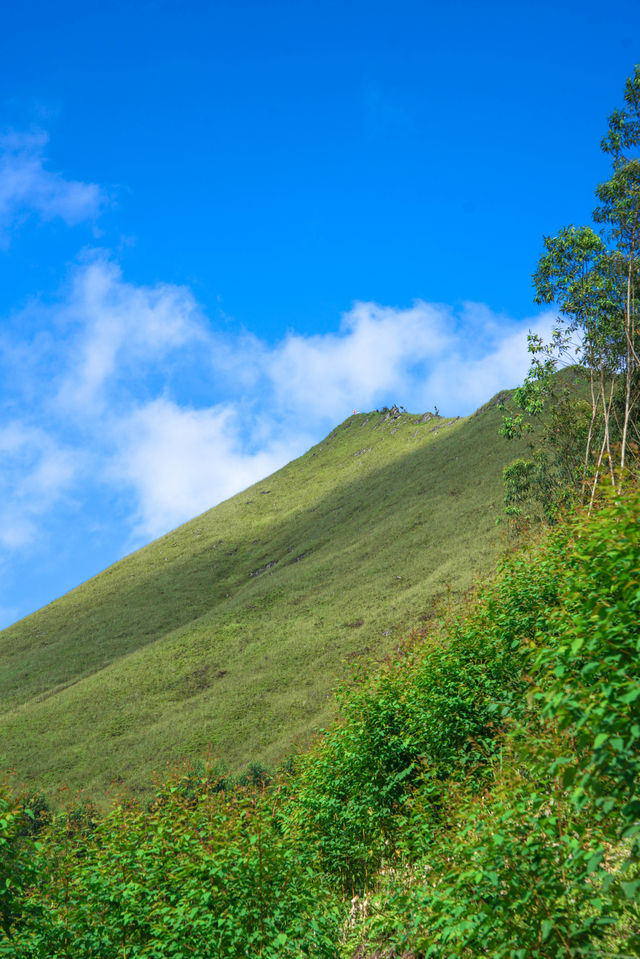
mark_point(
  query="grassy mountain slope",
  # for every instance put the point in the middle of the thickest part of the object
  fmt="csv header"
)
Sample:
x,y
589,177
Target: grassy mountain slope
x,y
226,636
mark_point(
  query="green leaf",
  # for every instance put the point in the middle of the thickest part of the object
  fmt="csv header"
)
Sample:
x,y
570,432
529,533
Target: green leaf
x,y
595,861
547,928
631,888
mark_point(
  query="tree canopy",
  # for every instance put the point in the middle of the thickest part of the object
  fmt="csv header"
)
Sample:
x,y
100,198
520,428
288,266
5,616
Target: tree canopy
x,y
592,275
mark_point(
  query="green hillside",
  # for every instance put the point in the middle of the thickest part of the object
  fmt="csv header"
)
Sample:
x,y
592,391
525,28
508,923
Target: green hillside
x,y
225,637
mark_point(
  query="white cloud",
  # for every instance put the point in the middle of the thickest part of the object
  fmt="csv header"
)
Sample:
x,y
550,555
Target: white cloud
x,y
37,471
26,186
419,356
182,461
118,329
377,351
478,366
142,397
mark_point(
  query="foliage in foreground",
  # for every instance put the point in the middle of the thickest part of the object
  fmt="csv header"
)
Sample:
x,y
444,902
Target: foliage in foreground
x,y
545,862
479,797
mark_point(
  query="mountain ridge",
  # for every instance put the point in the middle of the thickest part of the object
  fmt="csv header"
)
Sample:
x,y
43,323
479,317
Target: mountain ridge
x,y
228,634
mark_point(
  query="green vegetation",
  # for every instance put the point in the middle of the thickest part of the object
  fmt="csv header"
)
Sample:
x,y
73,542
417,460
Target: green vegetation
x,y
226,637
595,281
478,797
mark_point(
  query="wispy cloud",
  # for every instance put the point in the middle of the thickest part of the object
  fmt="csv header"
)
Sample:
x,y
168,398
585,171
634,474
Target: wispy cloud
x,y
377,351
120,332
28,187
478,366
181,461
119,409
37,471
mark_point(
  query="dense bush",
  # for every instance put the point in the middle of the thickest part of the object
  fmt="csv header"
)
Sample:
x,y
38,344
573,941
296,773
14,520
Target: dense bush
x,y
544,863
214,878
16,860
437,714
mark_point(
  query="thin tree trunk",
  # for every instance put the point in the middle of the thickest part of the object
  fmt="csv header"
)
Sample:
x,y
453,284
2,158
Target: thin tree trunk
x,y
597,475
601,395
594,413
607,435
630,356
606,445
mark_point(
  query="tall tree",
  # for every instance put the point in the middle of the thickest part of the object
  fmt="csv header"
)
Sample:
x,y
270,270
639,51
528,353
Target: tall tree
x,y
594,279
619,212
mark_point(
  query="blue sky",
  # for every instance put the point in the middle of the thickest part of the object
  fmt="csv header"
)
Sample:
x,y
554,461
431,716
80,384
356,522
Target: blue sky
x,y
225,225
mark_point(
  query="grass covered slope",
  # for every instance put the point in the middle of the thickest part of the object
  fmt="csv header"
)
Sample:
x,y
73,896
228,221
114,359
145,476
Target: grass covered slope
x,y
227,635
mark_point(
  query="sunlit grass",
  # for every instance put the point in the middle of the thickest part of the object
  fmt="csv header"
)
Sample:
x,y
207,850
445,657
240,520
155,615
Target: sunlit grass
x,y
226,637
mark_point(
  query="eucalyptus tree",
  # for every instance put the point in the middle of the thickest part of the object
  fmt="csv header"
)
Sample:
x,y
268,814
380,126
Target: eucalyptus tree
x,y
619,213
576,272
593,276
